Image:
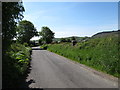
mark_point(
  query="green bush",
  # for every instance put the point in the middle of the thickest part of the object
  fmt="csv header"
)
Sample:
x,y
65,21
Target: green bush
x,y
44,46
15,64
26,44
99,53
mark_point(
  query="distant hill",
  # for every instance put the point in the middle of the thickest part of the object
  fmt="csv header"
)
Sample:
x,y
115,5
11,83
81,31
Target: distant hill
x,y
77,38
105,34
97,35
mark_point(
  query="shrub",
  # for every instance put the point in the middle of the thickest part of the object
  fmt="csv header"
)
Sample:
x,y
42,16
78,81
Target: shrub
x,y
15,63
44,46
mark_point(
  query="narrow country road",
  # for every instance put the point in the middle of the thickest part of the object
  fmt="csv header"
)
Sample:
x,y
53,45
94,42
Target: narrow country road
x,y
49,70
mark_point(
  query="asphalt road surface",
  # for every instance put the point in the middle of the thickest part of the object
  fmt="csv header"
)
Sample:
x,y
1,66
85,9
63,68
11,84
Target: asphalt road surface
x,y
49,70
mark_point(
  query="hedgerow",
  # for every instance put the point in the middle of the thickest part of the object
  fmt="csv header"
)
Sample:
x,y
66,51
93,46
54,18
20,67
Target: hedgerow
x,y
99,53
15,64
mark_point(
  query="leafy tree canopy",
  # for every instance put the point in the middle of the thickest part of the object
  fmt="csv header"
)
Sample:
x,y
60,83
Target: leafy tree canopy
x,y
11,14
25,31
62,40
47,35
73,38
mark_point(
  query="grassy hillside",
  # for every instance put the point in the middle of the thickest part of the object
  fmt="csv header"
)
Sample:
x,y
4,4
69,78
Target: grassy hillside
x,y
105,34
99,53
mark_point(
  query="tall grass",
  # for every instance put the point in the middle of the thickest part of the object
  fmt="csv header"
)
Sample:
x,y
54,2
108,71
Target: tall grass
x,y
99,53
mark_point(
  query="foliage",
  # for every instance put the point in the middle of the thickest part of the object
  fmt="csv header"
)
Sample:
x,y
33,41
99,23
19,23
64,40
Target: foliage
x,y
40,42
34,43
11,14
65,40
47,35
25,31
68,39
25,44
62,40
16,63
44,46
73,38
99,53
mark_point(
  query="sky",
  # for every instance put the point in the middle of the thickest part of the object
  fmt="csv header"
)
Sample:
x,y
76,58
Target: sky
x,y
67,19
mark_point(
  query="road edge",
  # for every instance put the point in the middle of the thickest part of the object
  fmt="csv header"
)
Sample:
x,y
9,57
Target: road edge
x,y
97,72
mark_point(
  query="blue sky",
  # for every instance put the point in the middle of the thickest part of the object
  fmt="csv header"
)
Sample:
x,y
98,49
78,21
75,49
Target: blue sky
x,y
73,18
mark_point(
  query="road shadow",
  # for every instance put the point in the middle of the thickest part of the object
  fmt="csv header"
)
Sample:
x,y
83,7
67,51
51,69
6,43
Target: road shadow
x,y
30,81
25,85
37,49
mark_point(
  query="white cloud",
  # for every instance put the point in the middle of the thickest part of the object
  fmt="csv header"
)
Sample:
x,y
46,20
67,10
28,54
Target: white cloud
x,y
66,31
79,30
71,31
65,34
82,31
42,18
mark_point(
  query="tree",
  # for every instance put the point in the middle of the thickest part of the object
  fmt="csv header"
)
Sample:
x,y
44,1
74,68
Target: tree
x,y
65,40
68,40
62,40
11,14
47,35
25,31
40,42
73,38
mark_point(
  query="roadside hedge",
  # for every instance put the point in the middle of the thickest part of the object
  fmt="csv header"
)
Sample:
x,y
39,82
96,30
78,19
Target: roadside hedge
x,y
15,63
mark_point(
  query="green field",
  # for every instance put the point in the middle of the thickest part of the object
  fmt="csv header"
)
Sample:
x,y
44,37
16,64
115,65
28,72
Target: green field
x,y
98,53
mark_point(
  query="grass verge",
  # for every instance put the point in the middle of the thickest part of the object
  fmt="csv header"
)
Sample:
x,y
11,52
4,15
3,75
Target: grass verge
x,y
99,53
